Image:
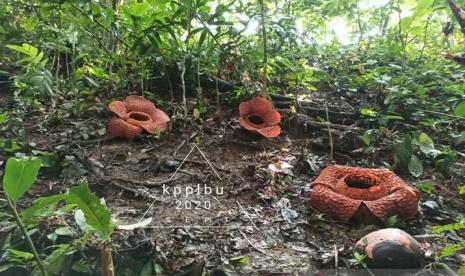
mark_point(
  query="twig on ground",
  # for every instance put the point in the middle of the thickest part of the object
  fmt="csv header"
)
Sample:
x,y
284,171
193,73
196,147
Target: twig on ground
x,y
330,137
250,243
136,192
315,124
427,236
246,214
336,259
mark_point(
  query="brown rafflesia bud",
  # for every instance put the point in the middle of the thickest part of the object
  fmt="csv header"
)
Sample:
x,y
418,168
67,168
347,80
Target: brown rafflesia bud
x,y
391,248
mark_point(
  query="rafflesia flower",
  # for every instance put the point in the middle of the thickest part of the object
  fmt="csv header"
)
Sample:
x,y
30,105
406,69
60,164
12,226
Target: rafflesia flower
x,y
135,115
391,248
343,192
259,116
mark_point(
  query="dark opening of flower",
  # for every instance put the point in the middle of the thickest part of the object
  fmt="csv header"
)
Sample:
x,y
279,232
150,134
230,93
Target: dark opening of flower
x,y
366,182
135,115
139,116
256,120
258,115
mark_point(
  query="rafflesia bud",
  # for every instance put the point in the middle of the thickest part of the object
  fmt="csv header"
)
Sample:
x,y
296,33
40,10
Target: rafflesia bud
x,y
391,248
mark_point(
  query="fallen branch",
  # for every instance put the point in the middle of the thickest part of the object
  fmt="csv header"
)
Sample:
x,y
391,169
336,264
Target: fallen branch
x,y
319,125
311,108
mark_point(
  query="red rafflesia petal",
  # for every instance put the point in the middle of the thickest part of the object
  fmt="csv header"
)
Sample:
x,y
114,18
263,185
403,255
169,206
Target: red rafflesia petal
x,y
270,132
160,119
119,108
246,124
120,128
139,103
272,117
259,105
244,109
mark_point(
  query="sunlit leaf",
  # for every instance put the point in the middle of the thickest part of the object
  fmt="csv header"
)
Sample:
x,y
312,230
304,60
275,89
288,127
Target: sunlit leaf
x,y
139,9
392,221
415,167
19,176
9,145
460,109
462,190
239,261
3,118
425,186
95,213
452,249
40,204
448,227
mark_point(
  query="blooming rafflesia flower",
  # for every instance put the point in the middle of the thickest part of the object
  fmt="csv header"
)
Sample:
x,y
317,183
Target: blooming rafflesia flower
x,y
134,115
258,115
341,192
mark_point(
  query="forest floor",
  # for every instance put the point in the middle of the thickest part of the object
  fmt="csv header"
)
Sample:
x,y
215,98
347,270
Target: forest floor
x,y
254,221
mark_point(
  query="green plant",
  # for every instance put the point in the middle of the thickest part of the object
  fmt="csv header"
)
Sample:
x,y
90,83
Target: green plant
x,y
93,217
407,153
451,249
36,79
19,176
425,186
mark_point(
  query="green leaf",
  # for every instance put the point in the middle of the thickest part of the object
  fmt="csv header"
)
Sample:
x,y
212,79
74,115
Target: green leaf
x,y
40,204
20,255
424,139
82,266
403,151
393,117
415,167
55,262
425,186
460,109
392,221
240,261
48,159
64,231
367,138
9,145
462,190
139,9
422,7
360,257
25,49
450,250
147,270
461,270
368,112
3,118
448,227
95,213
19,176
